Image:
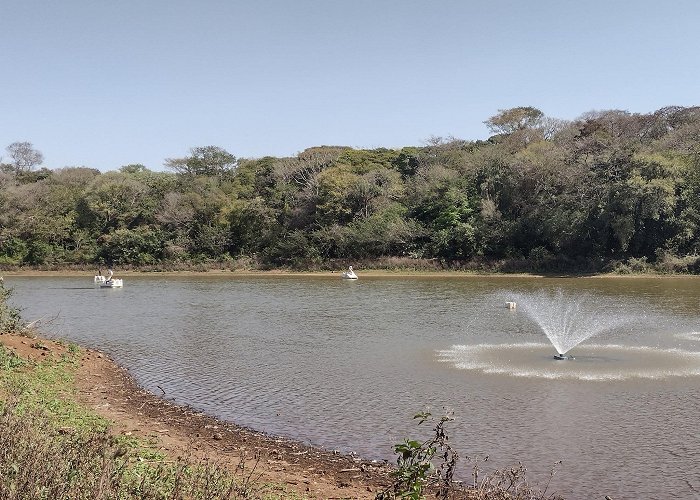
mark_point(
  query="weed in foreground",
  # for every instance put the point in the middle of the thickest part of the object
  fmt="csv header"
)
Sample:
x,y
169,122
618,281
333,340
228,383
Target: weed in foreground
x,y
417,474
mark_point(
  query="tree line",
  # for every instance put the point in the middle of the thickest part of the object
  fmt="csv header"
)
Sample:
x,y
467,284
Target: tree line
x,y
610,190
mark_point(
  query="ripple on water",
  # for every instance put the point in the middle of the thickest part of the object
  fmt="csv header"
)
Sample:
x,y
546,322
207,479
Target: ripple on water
x,y
689,336
593,362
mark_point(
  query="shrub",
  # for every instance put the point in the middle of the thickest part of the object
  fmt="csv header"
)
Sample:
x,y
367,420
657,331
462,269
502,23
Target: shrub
x,y
417,473
10,319
669,263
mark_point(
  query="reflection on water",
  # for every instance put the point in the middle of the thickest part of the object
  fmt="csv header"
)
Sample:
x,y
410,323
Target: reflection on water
x,y
345,365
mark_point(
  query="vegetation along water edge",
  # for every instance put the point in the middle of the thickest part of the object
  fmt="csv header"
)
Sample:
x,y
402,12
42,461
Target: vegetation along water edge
x,y
610,191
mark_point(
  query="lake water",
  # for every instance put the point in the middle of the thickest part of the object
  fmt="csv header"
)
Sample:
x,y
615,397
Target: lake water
x,y
346,364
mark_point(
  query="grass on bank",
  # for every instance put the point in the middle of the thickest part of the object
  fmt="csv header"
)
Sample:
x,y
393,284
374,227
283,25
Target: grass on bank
x,y
53,448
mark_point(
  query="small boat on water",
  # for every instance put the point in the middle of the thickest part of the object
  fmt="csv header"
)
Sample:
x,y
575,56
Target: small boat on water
x,y
349,274
110,282
113,283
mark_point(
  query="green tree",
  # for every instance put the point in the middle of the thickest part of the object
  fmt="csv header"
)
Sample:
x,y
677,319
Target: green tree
x,y
204,160
384,233
253,226
508,121
292,249
652,186
33,215
111,201
133,168
139,246
333,188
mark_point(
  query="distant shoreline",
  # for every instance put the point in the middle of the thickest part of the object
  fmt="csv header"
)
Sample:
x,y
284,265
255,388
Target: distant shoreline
x,y
369,273
276,272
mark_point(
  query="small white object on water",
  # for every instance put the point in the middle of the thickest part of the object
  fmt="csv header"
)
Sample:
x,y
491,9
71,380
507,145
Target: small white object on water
x,y
349,274
510,305
112,282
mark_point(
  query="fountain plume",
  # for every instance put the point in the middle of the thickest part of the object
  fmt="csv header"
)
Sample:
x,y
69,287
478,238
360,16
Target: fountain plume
x,y
567,320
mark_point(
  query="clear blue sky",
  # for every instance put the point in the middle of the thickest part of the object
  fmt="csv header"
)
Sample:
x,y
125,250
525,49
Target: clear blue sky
x,y
103,83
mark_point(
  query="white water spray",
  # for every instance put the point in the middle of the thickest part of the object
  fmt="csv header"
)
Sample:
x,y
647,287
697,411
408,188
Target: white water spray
x,y
568,319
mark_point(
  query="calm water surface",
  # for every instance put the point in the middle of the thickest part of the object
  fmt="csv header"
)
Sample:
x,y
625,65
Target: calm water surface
x,y
345,365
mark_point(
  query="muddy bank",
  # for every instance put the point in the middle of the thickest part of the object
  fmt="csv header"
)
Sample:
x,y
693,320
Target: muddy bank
x,y
108,389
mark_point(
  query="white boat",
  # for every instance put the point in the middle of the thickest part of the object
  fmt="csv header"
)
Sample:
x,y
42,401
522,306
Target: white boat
x,y
349,274
113,283
110,282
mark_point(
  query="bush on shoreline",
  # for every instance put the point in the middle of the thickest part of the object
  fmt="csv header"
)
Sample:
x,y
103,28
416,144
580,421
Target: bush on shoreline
x,y
428,466
541,195
550,265
10,318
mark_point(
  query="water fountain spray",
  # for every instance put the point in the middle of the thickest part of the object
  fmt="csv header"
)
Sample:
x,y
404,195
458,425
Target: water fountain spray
x,y
567,319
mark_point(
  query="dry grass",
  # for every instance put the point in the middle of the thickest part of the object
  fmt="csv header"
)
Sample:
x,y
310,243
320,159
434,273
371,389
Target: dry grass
x,y
53,448
40,460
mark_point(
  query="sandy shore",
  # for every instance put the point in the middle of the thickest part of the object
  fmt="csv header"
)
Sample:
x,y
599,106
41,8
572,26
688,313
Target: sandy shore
x,y
371,273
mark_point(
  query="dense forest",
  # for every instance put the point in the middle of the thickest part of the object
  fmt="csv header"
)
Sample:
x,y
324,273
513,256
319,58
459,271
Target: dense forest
x,y
609,191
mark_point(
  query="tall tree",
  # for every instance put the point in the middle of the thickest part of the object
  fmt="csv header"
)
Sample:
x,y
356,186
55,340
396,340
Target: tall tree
x,y
205,160
24,156
511,120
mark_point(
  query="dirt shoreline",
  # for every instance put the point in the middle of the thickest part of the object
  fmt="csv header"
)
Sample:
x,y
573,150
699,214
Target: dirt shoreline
x,y
273,273
179,431
368,273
